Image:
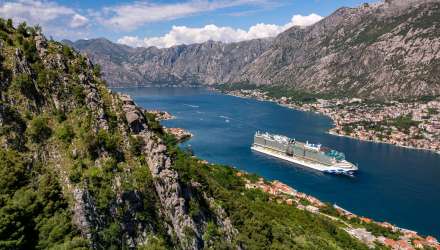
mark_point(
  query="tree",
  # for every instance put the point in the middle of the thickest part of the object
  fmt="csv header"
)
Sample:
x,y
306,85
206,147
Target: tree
x,y
9,23
22,29
65,133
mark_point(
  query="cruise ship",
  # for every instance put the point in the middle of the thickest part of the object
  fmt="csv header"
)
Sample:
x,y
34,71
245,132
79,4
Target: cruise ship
x,y
310,155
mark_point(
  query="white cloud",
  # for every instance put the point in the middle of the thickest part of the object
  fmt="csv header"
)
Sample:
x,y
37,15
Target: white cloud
x,y
33,11
185,35
132,16
78,21
52,16
299,20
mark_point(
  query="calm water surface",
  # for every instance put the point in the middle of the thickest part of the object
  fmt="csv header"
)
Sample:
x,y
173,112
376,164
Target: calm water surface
x,y
395,184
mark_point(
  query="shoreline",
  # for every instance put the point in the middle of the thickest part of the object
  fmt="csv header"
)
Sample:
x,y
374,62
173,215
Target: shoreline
x,y
156,86
330,131
355,225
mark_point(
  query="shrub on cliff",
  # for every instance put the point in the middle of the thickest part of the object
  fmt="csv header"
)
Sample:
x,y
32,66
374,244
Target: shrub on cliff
x,y
23,82
65,133
38,129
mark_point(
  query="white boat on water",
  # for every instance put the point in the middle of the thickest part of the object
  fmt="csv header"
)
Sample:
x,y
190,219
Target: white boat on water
x,y
313,156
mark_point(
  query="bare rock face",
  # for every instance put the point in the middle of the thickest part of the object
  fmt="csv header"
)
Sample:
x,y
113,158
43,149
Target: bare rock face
x,y
133,115
166,180
41,45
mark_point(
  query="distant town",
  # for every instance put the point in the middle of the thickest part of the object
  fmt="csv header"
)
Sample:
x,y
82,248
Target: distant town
x,y
408,124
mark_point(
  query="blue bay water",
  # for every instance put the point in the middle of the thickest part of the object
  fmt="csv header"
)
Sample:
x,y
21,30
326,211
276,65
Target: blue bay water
x,y
394,184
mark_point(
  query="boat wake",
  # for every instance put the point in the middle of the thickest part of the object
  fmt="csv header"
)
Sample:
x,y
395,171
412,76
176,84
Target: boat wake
x,y
192,106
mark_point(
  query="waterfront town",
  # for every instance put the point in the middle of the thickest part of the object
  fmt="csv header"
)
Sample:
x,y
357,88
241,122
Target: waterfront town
x,y
408,124
370,232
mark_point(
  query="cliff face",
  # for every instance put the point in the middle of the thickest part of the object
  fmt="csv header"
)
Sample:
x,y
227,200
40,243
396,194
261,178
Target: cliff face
x,y
205,63
383,50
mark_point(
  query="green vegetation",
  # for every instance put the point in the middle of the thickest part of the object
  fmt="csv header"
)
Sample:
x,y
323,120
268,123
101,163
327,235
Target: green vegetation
x,y
33,212
136,144
383,129
23,83
432,111
65,133
38,129
404,123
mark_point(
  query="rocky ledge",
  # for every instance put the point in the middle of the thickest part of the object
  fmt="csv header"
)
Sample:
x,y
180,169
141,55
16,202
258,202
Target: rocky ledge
x,y
179,133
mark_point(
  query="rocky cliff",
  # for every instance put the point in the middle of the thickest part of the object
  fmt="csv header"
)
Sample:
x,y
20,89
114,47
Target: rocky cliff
x,y
386,50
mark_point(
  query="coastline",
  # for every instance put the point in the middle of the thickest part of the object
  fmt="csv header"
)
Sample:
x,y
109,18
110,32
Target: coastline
x,y
331,130
156,86
357,226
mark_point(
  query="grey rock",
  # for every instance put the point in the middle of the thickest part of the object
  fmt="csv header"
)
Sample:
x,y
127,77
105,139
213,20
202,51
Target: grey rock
x,y
41,45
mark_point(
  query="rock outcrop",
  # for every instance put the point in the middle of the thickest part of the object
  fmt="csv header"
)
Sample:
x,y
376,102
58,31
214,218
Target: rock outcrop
x,y
166,180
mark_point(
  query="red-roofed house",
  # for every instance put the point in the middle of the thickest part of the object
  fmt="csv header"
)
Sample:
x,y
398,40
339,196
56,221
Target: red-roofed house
x,y
431,240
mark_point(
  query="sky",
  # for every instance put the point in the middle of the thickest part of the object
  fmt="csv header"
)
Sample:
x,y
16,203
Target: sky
x,y
165,23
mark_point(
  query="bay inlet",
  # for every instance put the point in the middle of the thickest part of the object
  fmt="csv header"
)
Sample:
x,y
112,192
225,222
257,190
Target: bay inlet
x,y
394,184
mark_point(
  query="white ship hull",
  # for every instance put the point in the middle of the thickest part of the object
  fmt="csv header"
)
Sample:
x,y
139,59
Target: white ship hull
x,y
343,167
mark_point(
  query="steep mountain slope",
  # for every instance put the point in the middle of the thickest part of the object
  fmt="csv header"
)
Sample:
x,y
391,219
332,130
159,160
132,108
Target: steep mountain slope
x,y
389,49
205,63
383,50
82,167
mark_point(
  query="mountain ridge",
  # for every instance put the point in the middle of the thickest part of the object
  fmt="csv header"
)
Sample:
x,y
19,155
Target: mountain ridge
x,y
204,63
379,50
384,50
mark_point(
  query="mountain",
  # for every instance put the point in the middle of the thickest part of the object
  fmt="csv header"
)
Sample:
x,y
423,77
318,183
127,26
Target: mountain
x,y
82,167
388,50
205,63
